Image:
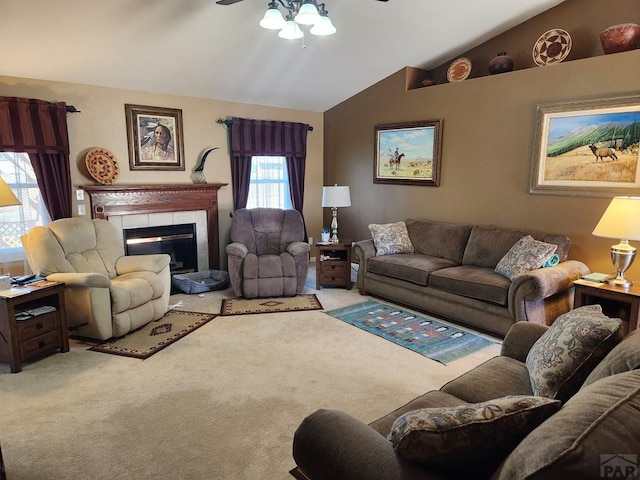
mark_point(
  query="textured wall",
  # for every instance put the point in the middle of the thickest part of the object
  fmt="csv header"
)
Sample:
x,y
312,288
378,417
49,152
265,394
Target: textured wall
x,y
488,136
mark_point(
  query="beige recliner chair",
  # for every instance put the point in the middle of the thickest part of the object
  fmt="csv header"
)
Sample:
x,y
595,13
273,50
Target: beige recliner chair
x,y
107,294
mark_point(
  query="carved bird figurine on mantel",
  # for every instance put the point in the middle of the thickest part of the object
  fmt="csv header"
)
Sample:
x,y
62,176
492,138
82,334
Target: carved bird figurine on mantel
x,y
197,173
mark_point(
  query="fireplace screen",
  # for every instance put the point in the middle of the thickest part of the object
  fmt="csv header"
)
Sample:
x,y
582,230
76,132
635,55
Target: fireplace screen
x,y
178,241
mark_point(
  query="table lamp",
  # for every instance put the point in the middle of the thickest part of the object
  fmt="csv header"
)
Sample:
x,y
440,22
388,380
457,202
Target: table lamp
x,y
7,197
621,220
334,197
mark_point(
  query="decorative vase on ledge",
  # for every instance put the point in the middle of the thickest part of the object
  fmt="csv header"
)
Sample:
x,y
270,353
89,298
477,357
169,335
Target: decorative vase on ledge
x,y
500,64
620,38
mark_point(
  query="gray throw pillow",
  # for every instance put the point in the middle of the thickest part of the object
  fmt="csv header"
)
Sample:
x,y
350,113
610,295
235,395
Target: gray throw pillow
x,y
562,358
480,433
391,238
525,255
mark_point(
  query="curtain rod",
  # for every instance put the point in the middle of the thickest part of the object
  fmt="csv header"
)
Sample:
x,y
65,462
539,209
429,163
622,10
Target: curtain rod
x,y
72,109
228,122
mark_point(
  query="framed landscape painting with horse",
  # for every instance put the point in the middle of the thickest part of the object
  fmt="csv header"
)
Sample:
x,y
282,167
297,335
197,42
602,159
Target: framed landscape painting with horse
x,y
408,153
588,148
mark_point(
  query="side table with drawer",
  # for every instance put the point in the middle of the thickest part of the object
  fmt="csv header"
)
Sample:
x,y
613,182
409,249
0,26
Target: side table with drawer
x,y
333,266
33,323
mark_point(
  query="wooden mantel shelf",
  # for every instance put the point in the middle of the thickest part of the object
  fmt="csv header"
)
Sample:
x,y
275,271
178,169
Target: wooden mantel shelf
x,y
108,200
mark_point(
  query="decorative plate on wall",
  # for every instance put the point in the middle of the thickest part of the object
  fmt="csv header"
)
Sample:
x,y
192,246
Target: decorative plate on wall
x,y
102,165
459,69
553,46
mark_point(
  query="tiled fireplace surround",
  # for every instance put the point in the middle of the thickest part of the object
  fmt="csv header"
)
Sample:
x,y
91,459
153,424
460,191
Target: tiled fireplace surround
x,y
134,206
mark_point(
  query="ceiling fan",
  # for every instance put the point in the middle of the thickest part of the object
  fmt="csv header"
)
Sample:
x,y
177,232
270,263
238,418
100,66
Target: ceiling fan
x,y
231,2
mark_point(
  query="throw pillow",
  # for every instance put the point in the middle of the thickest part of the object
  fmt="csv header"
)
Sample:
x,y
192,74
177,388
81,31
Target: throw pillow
x,y
526,254
562,358
391,238
478,434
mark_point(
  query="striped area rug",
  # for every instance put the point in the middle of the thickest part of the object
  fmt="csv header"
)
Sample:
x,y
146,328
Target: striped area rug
x,y
433,339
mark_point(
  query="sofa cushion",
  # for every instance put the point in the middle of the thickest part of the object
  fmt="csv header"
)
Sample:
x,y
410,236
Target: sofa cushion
x,y
526,254
564,356
427,238
391,238
474,282
409,267
481,434
624,357
495,378
593,431
487,245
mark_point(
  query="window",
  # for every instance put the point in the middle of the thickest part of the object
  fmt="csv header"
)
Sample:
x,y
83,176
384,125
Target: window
x,y
269,185
17,220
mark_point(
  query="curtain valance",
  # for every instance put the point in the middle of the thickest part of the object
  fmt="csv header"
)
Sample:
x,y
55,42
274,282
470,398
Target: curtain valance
x,y
33,126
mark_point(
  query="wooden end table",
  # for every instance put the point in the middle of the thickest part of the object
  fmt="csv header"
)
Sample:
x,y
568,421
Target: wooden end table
x,y
31,335
333,266
618,302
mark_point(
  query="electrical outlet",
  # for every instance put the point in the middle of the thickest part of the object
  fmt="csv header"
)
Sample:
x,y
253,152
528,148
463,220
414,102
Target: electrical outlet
x,y
82,210
310,240
79,194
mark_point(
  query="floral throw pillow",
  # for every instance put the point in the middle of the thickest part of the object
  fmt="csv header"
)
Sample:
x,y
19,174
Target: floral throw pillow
x,y
478,434
391,238
564,356
526,254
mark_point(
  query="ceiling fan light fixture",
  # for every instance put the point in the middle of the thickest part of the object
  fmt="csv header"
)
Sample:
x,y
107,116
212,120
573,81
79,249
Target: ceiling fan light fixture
x,y
291,31
323,27
273,19
308,13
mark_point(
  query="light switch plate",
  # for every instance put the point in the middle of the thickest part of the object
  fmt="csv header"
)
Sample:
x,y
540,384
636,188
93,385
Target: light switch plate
x,y
79,194
82,210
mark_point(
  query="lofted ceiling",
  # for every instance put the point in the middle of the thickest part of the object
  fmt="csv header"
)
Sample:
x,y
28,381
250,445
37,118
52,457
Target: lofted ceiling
x,y
201,49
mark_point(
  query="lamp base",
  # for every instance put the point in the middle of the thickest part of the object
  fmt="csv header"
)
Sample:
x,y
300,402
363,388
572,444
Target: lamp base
x,y
619,282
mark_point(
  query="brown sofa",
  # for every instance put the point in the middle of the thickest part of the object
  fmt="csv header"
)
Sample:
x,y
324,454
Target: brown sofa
x,y
451,274
595,428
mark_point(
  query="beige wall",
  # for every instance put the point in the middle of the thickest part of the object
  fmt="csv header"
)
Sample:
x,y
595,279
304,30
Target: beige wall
x,y
488,139
101,123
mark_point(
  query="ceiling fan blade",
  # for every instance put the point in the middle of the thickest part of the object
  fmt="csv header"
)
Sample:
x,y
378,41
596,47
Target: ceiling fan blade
x,y
229,2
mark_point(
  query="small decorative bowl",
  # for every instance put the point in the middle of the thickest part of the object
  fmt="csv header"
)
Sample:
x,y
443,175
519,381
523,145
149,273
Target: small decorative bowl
x,y
620,38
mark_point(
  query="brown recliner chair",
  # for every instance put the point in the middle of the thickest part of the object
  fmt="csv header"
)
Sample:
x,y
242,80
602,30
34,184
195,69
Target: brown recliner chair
x,y
268,256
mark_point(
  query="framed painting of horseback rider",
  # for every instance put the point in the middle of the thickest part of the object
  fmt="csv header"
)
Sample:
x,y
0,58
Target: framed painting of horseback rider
x,y
587,148
408,153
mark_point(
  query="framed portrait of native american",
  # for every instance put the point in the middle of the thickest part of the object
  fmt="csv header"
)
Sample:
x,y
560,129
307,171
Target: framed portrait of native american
x,y
408,153
587,148
154,135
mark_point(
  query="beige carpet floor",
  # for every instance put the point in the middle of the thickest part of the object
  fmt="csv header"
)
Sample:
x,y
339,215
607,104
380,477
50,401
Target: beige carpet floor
x,y
221,403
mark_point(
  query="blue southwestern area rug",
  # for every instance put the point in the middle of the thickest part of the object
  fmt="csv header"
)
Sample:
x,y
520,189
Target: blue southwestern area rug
x,y
424,335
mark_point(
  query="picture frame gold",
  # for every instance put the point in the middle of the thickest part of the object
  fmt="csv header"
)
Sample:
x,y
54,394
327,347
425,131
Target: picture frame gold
x,y
587,148
408,153
154,136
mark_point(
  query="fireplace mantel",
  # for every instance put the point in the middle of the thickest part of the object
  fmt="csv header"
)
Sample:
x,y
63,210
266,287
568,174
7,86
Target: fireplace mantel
x,y
108,200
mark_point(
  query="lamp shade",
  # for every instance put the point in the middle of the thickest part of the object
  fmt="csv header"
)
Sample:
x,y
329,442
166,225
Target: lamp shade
x,y
273,19
336,196
620,220
323,27
7,197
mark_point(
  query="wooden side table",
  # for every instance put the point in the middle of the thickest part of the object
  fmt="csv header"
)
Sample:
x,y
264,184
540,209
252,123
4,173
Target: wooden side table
x,y
333,266
23,336
623,303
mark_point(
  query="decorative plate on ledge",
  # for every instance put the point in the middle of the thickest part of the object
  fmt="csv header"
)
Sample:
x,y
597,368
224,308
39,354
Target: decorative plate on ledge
x,y
102,165
459,69
553,46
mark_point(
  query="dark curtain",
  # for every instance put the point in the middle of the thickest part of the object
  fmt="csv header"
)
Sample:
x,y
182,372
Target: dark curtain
x,y
39,129
249,137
